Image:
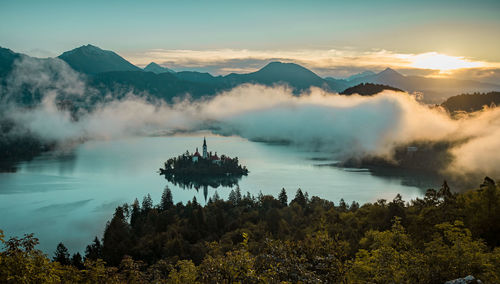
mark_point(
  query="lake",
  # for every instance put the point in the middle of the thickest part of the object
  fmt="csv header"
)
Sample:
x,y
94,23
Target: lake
x,y
69,196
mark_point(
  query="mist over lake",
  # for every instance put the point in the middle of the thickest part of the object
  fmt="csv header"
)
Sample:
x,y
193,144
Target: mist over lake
x,y
69,196
249,142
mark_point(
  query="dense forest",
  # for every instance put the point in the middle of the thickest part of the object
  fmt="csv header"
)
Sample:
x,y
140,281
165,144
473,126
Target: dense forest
x,y
368,89
249,239
472,102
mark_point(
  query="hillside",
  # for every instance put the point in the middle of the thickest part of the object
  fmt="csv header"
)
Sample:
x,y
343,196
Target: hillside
x,y
471,102
294,75
435,90
368,89
164,86
7,58
268,239
90,59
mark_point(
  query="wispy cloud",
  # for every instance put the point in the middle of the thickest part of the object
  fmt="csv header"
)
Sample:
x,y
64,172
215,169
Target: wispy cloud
x,y
330,62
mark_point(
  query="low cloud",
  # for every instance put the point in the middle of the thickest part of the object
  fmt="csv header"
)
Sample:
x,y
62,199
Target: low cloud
x,y
345,126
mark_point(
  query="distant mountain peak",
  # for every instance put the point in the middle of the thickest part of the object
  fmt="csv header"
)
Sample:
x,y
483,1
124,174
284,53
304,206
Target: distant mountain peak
x,y
157,68
283,65
90,46
153,64
91,59
85,49
390,72
286,69
291,74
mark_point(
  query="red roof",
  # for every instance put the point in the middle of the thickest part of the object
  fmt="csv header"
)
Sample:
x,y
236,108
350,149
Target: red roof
x,y
197,154
214,157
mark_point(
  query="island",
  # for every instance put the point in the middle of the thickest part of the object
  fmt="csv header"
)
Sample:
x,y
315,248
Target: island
x,y
206,169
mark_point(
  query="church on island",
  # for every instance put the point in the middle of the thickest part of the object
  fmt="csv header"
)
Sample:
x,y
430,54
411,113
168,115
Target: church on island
x,y
187,167
207,155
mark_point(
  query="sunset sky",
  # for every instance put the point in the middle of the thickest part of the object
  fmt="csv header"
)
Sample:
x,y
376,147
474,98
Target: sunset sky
x,y
333,38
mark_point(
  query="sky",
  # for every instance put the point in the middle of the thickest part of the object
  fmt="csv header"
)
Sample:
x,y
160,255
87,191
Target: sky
x,y
334,38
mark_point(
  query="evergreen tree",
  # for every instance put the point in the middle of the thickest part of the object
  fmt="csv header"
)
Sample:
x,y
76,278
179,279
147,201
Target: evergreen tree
x,y
77,261
342,205
300,198
354,206
232,197
61,254
147,203
94,250
136,211
167,200
238,194
283,198
116,240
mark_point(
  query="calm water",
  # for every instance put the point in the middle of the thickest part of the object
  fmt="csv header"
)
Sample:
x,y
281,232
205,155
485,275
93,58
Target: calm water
x,y
69,197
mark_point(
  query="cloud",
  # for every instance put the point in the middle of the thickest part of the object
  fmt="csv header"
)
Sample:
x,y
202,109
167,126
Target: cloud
x,y
329,62
345,126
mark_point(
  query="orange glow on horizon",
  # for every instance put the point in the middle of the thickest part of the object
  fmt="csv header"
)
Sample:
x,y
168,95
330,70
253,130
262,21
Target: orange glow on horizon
x,y
442,62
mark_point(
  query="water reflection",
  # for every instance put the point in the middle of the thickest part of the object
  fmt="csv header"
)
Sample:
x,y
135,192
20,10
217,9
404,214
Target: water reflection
x,y
69,196
64,162
202,181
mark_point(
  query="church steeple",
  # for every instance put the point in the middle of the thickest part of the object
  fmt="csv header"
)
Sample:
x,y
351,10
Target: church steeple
x,y
205,153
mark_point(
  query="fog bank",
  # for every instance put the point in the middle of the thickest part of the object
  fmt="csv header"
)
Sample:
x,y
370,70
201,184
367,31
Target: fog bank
x,y
346,126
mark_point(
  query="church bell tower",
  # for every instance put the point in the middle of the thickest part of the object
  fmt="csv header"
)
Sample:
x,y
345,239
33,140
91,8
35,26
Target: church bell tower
x,y
205,153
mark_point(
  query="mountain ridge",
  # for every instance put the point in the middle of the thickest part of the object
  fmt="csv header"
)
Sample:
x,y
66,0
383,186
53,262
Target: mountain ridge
x,y
89,59
96,62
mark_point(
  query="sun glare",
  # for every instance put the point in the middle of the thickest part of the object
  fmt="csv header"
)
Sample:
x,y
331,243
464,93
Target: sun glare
x,y
442,62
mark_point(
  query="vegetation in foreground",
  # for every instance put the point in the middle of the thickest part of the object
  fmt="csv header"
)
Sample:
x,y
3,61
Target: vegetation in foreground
x,y
247,239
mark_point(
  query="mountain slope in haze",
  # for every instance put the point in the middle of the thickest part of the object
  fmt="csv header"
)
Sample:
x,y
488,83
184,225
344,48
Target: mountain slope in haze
x,y
201,77
93,61
155,68
360,75
7,58
165,86
435,90
197,84
368,89
90,59
294,75
472,102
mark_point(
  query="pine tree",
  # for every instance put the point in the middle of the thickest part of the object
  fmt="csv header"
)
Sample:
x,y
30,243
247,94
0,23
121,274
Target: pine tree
x,y
136,212
166,199
94,250
77,261
61,254
238,194
232,197
283,198
147,203
300,198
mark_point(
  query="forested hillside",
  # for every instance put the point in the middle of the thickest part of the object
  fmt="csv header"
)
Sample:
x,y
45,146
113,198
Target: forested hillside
x,y
472,102
440,237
